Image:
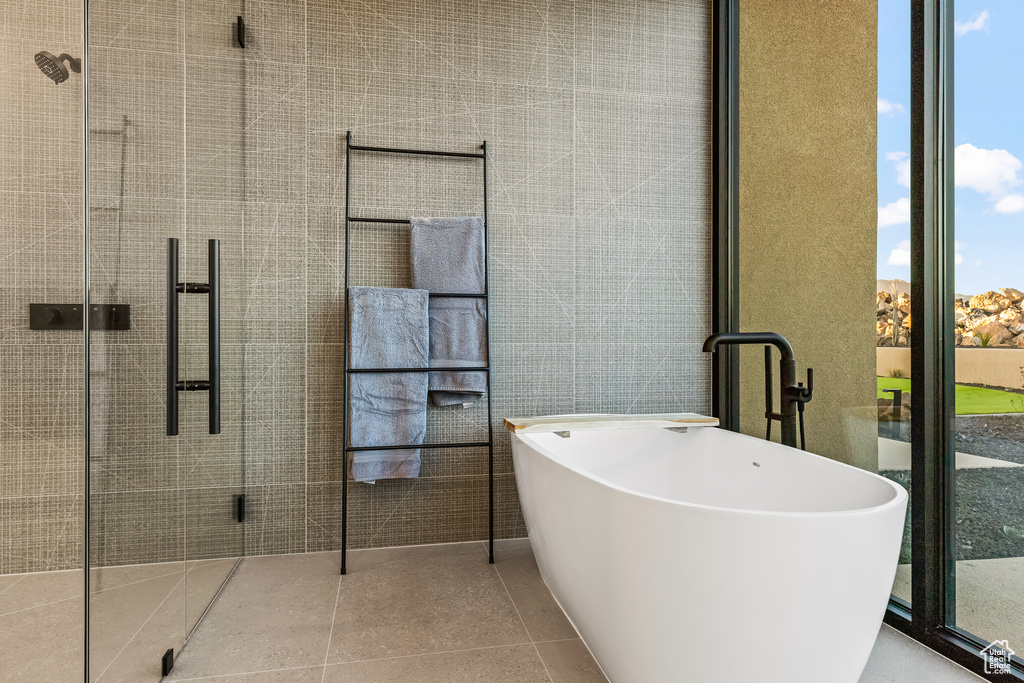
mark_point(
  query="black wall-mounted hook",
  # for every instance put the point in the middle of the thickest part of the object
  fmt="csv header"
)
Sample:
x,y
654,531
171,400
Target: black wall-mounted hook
x,y
240,31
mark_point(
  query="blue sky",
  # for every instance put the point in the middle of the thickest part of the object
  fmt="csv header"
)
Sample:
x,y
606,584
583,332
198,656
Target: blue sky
x,y
989,139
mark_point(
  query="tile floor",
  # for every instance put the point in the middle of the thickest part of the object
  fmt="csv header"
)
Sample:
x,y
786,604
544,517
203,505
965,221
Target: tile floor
x,y
427,614
134,611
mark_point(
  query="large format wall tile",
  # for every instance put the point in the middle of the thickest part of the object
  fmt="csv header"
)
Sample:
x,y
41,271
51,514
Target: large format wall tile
x,y
274,271
275,414
136,527
41,431
417,511
215,116
246,130
41,138
597,119
641,156
275,30
212,529
650,48
40,533
128,262
129,447
642,316
136,124
137,25
275,519
40,446
420,39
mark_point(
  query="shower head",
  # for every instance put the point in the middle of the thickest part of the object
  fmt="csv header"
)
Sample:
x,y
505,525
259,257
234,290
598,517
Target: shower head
x,y
55,68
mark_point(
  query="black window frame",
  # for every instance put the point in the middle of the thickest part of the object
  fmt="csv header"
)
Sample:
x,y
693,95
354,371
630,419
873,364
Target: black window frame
x,y
933,564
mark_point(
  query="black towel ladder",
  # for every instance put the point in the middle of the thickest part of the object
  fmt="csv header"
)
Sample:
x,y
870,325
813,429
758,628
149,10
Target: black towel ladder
x,y
486,369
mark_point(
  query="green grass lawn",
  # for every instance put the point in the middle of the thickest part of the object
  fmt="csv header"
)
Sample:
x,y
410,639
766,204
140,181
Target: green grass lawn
x,y
969,400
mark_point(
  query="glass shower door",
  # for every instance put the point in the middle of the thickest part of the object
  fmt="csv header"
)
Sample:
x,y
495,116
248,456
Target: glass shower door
x,y
165,486
136,507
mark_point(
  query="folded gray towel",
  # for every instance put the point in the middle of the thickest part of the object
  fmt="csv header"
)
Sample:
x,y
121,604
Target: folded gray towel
x,y
458,338
448,257
388,329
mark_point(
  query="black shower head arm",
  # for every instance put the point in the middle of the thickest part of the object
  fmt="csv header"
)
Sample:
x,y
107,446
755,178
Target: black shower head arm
x,y
73,63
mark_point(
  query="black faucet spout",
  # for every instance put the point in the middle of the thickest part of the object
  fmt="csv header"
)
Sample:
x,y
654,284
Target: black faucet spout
x,y
774,338
791,393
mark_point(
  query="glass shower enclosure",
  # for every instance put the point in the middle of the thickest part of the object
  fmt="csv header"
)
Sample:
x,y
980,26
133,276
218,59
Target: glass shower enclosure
x,y
167,199
139,282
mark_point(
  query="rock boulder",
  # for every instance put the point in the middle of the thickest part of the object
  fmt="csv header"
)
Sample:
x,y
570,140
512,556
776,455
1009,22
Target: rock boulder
x,y
993,334
904,304
1014,295
997,317
993,302
1013,319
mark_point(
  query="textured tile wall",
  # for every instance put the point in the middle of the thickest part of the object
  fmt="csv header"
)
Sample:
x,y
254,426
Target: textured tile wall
x,y
597,117
40,260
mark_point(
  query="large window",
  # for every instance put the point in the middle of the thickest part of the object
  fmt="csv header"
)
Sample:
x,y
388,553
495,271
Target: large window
x,y
949,323
966,333
989,244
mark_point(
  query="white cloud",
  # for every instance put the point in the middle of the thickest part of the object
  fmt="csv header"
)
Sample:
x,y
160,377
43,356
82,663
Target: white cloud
x,y
890,108
900,256
979,22
895,213
977,264
901,162
1011,203
988,171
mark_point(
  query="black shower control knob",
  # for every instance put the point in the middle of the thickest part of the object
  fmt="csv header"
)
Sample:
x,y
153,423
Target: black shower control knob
x,y
52,316
75,315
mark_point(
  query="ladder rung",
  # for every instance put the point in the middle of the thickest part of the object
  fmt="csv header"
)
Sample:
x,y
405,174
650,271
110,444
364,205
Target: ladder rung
x,y
469,444
474,368
426,152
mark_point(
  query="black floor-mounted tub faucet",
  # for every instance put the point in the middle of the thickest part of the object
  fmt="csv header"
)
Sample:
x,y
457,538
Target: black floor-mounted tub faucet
x,y
794,394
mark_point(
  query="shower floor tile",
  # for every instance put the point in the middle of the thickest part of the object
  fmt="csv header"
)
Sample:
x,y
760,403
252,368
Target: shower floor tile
x,y
274,613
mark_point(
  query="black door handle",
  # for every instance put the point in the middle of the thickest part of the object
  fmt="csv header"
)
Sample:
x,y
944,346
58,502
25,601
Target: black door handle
x,y
214,275
174,288
172,336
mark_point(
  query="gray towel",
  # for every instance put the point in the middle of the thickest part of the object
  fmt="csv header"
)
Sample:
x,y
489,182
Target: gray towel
x,y
389,329
448,257
458,338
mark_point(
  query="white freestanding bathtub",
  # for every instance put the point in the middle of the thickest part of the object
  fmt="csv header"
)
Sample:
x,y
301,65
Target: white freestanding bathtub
x,y
709,556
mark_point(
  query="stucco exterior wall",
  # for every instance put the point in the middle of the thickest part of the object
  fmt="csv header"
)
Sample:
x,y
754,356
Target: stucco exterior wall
x,y
808,210
991,367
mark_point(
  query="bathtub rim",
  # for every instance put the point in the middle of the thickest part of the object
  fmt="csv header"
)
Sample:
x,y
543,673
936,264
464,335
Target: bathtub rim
x,y
901,497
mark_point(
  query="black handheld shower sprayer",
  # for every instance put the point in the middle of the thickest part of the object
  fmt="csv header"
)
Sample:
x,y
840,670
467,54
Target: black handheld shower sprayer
x,y
56,68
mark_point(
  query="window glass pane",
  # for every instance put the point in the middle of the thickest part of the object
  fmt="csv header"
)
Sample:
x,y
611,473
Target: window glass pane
x,y
989,139
892,322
